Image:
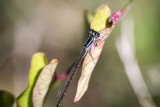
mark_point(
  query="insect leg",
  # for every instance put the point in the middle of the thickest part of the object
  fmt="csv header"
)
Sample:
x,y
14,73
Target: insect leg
x,y
91,55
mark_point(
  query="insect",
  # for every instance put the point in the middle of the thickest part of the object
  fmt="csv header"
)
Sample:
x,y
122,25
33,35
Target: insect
x,y
92,40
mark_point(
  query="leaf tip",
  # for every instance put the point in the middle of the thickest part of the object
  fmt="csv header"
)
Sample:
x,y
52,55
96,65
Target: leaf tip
x,y
55,60
75,101
38,53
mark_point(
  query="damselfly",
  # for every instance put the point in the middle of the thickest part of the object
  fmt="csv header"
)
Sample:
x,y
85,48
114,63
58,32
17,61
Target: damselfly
x,y
92,40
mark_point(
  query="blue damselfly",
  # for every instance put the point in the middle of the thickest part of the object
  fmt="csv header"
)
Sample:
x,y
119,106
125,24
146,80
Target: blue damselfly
x,y
92,40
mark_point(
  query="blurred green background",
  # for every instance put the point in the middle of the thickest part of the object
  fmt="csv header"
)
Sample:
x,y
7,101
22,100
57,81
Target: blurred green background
x,y
58,27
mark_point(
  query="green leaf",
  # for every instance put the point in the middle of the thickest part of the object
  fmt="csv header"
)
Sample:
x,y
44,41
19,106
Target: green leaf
x,y
6,99
43,83
37,64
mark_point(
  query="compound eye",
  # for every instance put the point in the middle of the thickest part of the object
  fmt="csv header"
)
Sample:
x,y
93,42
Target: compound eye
x,y
97,34
90,31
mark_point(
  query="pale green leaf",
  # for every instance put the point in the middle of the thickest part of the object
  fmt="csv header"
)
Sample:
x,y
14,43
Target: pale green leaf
x,y
37,64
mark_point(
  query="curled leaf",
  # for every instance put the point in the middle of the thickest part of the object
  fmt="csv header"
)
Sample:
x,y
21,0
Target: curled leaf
x,y
43,83
37,64
99,23
100,19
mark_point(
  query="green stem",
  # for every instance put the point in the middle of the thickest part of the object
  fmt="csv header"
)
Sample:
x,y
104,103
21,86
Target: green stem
x,y
128,3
